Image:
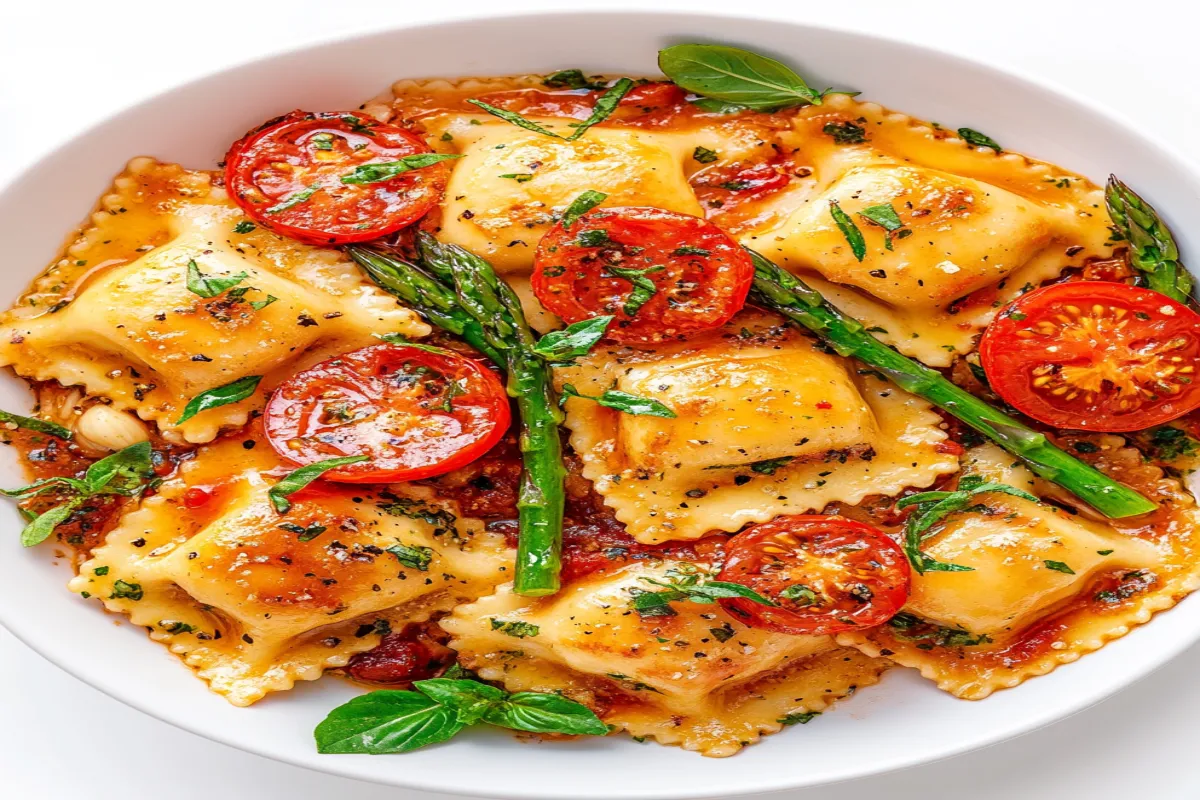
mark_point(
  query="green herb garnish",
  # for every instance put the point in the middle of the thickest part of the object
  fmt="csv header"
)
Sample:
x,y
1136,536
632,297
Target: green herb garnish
x,y
208,286
623,401
220,396
377,173
298,479
858,245
977,139
733,75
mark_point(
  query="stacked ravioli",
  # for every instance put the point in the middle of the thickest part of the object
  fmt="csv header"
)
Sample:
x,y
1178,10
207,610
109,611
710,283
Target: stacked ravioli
x,y
252,609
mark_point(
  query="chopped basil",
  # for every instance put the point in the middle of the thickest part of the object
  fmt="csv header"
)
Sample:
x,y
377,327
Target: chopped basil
x,y
689,250
35,425
412,556
1167,444
208,286
303,534
977,139
519,177
909,628
516,628
573,341
582,204
932,507
798,718
624,402
245,226
259,305
845,132
643,287
606,104
176,626
322,141
705,156
377,173
885,217
221,396
597,237
570,79
853,235
514,118
722,634
392,721
293,200
126,591
298,479
803,595
687,582
1058,566
736,76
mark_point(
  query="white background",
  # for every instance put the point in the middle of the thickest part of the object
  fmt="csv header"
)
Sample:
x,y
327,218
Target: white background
x,y
65,66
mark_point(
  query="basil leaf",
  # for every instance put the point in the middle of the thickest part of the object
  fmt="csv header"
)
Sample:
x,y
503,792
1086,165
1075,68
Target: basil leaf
x,y
570,79
259,305
977,139
417,557
245,226
803,595
208,285
132,463
386,721
514,118
377,173
573,341
45,485
293,200
539,712
297,480
126,591
605,106
884,216
1058,566
519,177
845,132
714,590
469,699
35,425
624,402
702,155
643,288
221,396
735,76
582,204
655,604
798,718
303,534
43,525
853,235
518,629
711,106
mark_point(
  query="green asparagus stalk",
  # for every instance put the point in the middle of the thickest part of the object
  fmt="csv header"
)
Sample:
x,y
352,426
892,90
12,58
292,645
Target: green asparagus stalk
x,y
496,307
781,291
421,291
1152,248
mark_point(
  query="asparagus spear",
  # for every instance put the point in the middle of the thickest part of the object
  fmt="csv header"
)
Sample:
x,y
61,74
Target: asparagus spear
x,y
459,292
423,292
781,291
1152,248
497,309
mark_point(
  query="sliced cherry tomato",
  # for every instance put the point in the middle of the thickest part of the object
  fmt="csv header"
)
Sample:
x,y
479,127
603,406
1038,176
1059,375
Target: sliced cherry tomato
x,y
1095,356
828,574
663,275
287,175
413,412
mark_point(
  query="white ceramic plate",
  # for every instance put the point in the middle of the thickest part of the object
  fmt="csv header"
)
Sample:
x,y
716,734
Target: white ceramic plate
x,y
901,722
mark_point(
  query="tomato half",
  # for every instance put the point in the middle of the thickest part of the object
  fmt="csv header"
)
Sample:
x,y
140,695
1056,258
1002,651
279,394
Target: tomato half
x,y
662,275
1095,356
828,574
287,175
414,412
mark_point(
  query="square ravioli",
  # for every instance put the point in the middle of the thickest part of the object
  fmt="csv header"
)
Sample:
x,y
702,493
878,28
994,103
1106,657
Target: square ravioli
x,y
123,315
254,600
1045,586
780,427
699,679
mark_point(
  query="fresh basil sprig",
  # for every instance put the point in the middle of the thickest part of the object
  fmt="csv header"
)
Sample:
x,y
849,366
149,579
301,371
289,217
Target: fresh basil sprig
x,y
377,173
885,216
38,425
395,721
126,473
733,75
858,245
582,204
606,104
209,286
644,287
220,396
297,480
932,507
624,402
687,582
573,341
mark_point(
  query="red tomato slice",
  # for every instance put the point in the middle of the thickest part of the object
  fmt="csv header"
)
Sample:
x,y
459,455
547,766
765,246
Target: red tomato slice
x,y
414,412
662,275
287,175
828,574
1095,356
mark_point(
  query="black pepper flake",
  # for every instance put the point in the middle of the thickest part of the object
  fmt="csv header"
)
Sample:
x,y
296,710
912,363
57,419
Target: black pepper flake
x,y
332,315
246,638
200,357
249,444
741,480
138,542
305,321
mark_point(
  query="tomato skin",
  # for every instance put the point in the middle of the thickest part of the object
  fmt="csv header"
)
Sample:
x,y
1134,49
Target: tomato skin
x,y
196,497
294,153
858,576
701,275
1095,356
394,404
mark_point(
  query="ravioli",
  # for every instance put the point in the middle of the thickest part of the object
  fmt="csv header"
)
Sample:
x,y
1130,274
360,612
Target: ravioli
x,y
700,679
1046,586
117,317
766,424
254,600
